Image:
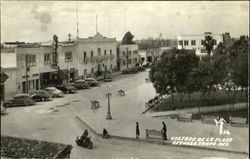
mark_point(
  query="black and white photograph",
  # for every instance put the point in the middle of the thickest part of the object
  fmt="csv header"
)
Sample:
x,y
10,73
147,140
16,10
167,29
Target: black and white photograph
x,y
124,79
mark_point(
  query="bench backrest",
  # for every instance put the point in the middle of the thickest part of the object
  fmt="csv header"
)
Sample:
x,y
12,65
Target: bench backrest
x,y
186,115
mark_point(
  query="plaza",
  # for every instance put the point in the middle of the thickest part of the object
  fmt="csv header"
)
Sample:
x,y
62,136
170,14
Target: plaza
x,y
62,119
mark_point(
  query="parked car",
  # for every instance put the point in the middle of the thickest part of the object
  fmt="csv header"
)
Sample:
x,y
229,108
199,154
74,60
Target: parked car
x,y
80,84
54,92
92,81
130,70
40,95
66,88
19,100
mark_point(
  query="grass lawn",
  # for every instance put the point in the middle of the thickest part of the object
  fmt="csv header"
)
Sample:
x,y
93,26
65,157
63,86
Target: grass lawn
x,y
220,98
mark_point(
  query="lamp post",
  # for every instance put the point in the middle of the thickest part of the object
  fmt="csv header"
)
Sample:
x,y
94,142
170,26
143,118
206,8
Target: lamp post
x,y
108,113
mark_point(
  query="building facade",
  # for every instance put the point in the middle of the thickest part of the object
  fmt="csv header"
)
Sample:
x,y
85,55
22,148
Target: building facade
x,y
74,60
196,42
96,55
128,56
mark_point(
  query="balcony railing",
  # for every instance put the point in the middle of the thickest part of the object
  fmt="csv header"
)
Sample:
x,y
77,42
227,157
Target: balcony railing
x,y
99,58
112,57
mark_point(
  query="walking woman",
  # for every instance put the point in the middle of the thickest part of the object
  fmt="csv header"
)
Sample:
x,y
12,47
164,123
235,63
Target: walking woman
x,y
137,130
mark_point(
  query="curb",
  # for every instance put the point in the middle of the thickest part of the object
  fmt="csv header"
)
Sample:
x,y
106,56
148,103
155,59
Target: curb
x,y
150,141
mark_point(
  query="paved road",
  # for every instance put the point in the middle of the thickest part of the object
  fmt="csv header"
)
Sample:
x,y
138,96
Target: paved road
x,y
55,121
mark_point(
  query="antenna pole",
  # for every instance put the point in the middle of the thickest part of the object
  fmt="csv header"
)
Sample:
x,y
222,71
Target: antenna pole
x,y
77,29
96,24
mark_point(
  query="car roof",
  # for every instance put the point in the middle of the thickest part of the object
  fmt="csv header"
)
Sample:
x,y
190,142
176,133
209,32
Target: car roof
x,y
50,88
89,79
20,95
80,81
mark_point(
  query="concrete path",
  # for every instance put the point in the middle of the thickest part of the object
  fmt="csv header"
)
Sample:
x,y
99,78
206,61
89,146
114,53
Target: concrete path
x,y
195,110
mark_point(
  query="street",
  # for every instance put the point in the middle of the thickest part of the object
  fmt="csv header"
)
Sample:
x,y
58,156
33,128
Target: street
x,y
56,121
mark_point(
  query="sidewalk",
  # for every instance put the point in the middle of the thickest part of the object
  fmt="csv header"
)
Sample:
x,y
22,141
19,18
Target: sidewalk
x,y
195,110
126,111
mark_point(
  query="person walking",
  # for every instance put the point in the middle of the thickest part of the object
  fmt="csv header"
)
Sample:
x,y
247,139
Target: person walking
x,y
137,130
164,131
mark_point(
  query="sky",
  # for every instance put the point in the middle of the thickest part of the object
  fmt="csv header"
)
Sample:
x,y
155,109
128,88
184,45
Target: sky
x,y
34,21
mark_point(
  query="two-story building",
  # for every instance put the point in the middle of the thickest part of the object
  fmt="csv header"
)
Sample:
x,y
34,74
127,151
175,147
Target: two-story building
x,y
96,54
128,56
197,42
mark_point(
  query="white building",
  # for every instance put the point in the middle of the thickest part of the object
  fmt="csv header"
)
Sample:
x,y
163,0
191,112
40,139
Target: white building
x,y
128,56
196,42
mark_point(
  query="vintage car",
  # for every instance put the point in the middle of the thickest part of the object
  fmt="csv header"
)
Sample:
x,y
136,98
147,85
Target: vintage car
x,y
92,81
19,100
66,88
40,95
54,92
80,84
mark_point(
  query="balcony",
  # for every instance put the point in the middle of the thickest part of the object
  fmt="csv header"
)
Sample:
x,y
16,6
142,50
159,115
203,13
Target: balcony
x,y
112,57
99,58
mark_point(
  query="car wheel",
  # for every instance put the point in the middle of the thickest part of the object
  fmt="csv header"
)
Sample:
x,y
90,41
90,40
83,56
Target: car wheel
x,y
27,103
43,99
7,105
67,91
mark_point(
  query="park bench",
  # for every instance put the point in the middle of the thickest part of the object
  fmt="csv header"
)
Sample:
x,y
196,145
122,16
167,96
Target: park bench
x,y
209,119
95,104
185,117
153,133
237,121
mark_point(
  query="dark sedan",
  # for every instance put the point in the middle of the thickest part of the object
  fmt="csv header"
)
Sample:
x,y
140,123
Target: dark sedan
x,y
66,89
19,100
40,95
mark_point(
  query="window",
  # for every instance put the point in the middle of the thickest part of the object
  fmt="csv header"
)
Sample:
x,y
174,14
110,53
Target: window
x,y
193,42
105,52
142,59
92,70
68,56
202,42
124,62
84,56
85,71
47,58
129,53
92,54
185,42
110,52
134,60
129,61
111,66
124,53
180,42
135,52
30,60
33,84
99,51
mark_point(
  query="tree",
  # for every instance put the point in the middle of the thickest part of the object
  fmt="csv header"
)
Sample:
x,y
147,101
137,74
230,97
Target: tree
x,y
170,73
128,38
209,45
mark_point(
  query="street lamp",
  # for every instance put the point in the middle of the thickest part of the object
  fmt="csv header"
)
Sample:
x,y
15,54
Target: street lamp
x,y
108,113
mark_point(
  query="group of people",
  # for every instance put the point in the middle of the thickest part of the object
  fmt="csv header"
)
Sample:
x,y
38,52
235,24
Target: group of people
x,y
105,133
163,131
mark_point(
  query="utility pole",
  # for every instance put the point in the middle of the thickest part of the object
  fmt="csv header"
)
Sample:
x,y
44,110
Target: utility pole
x,y
127,57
